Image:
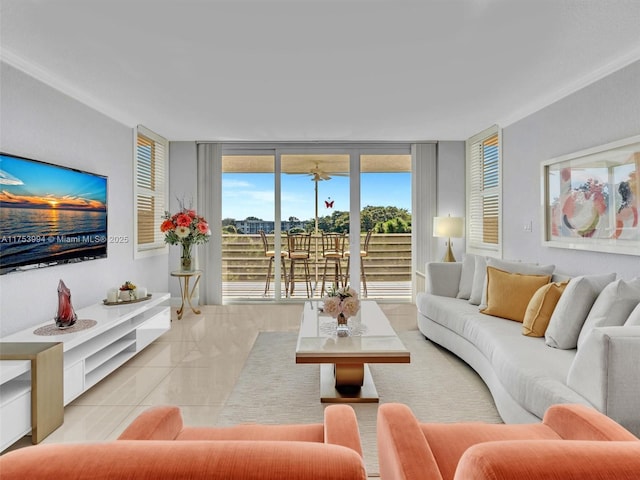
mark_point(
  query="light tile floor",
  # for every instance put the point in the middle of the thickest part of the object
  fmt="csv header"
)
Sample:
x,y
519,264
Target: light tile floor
x,y
195,365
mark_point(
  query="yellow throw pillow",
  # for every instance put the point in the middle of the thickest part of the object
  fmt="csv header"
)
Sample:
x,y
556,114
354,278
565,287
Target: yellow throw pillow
x,y
508,294
540,308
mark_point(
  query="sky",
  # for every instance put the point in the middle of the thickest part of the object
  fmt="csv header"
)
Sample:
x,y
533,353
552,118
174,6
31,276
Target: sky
x,y
25,183
251,194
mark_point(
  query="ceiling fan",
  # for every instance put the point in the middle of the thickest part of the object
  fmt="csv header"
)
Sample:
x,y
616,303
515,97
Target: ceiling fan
x,y
317,174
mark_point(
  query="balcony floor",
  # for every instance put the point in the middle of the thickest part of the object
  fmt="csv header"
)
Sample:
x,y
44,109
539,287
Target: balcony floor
x,y
255,290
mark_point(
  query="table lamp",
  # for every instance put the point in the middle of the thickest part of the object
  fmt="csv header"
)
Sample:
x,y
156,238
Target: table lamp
x,y
449,227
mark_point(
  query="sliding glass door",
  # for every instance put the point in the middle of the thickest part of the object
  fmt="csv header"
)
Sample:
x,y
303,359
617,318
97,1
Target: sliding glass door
x,y
248,227
361,193
315,201
385,225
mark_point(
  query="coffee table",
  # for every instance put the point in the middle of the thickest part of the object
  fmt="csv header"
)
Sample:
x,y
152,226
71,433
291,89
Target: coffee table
x,y
344,373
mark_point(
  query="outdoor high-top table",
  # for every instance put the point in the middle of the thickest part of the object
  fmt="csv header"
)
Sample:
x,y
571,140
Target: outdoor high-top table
x,y
344,374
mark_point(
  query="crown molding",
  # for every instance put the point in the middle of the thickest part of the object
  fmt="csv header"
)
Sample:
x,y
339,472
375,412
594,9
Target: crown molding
x,y
58,83
549,99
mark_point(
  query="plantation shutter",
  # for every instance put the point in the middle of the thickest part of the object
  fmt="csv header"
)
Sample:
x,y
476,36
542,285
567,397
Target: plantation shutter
x,y
483,192
150,189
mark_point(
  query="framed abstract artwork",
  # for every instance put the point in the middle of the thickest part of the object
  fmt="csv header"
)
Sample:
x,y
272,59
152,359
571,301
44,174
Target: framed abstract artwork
x,y
591,199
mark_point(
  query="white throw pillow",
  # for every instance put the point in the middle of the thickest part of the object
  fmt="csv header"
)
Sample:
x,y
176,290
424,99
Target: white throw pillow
x,y
612,307
466,278
479,275
572,310
513,267
634,318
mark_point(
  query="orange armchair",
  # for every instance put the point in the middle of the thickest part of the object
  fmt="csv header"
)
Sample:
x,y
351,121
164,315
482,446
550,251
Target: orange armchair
x,y
158,446
340,427
571,442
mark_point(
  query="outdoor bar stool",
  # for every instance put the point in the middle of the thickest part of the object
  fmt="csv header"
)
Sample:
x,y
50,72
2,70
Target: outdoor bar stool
x,y
299,248
364,253
333,250
270,254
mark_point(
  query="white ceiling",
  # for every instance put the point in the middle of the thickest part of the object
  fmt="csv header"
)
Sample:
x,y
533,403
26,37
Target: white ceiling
x,y
314,70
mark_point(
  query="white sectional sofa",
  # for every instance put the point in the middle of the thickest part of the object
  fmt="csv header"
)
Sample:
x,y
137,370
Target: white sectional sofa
x,y
589,354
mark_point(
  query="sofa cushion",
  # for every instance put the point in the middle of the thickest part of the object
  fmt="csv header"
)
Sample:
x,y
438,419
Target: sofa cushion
x,y
532,373
508,294
466,277
634,317
446,311
540,309
479,274
513,267
572,309
612,307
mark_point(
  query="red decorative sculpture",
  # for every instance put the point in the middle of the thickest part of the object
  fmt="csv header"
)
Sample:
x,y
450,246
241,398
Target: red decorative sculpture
x,y
66,316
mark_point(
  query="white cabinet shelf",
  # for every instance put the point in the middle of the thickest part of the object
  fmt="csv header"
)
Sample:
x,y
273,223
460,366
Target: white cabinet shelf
x,y
110,351
121,331
15,400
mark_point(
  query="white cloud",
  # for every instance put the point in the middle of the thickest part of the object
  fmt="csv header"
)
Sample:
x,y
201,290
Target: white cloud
x,y
228,184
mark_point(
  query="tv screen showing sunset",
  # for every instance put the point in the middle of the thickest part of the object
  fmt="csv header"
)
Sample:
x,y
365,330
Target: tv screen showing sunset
x,y
50,214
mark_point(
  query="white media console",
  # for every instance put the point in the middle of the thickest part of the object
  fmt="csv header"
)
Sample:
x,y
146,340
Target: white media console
x,y
89,355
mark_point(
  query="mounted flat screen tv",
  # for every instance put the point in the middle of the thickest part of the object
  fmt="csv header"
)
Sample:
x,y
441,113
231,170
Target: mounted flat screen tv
x,y
49,214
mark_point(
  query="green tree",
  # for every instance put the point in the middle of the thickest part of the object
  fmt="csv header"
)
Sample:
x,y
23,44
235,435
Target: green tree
x,y
395,225
379,219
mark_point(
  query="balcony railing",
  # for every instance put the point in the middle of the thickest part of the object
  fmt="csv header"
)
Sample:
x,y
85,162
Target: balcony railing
x,y
387,267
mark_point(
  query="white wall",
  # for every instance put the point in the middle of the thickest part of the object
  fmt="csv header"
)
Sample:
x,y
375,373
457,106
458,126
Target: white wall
x,y
603,112
182,187
451,192
42,123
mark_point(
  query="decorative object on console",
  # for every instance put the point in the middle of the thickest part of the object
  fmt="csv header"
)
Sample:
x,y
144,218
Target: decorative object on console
x,y
341,303
187,229
66,316
592,198
52,330
112,295
135,300
127,291
448,227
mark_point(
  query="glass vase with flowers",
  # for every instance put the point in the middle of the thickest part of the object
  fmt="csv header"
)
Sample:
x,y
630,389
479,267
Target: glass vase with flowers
x,y
341,303
185,228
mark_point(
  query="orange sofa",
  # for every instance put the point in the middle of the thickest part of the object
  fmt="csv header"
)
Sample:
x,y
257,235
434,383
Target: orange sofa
x,y
157,445
573,442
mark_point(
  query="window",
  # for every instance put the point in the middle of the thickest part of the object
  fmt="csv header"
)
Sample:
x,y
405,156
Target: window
x,y
151,153
484,193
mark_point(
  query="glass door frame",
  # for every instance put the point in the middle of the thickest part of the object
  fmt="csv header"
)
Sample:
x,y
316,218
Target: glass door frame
x,y
355,150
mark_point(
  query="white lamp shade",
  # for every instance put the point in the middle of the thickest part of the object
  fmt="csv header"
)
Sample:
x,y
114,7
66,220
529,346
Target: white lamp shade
x,y
450,227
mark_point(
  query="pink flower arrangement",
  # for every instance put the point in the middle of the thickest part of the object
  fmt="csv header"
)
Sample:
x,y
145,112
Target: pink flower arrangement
x,y
341,301
185,227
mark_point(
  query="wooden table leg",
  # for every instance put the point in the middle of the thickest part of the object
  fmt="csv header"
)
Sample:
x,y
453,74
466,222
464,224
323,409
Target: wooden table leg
x,y
347,383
